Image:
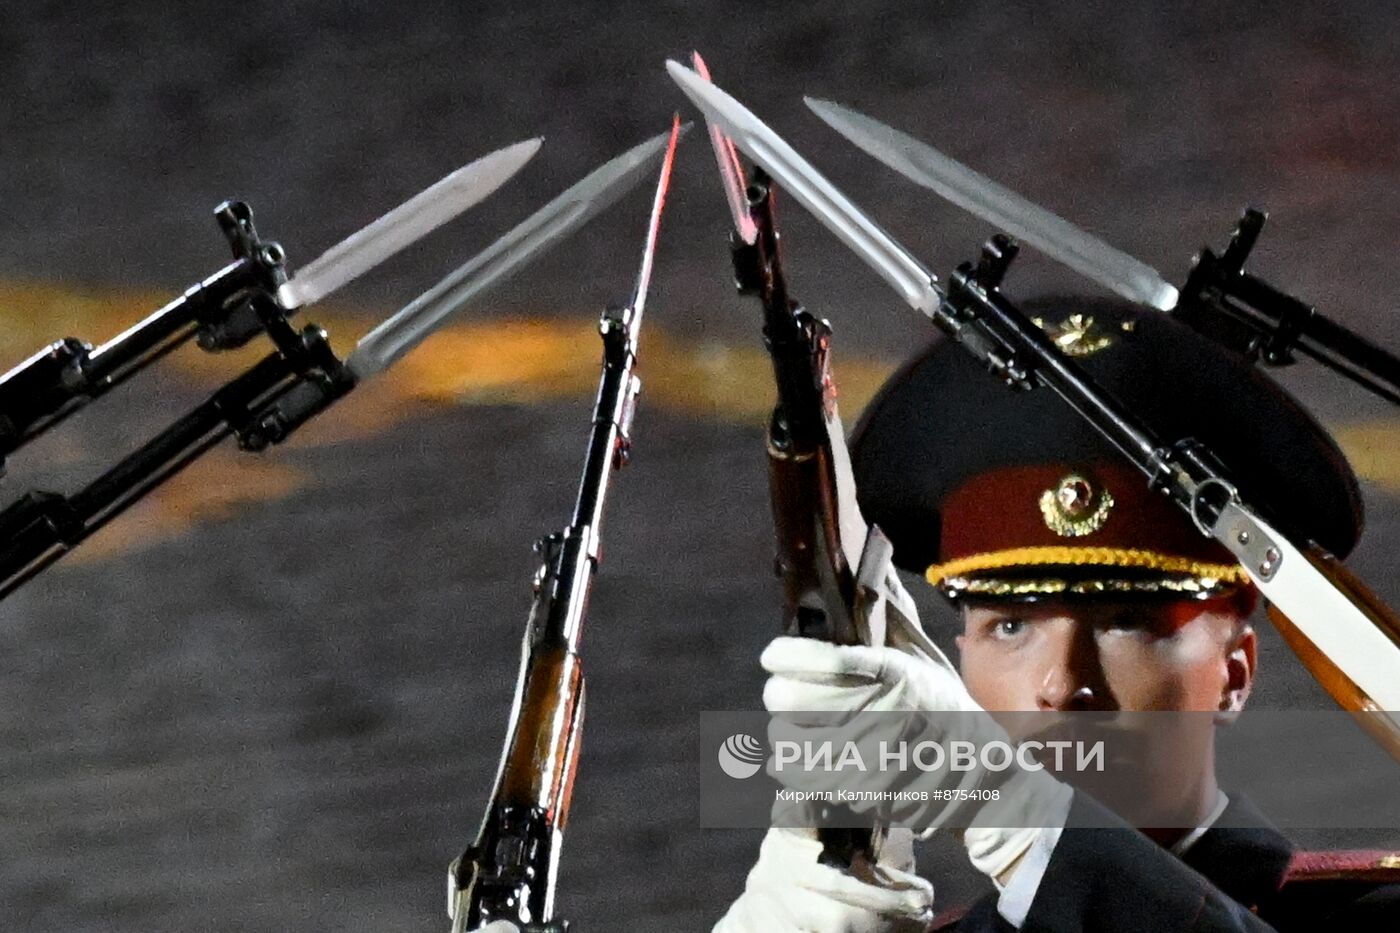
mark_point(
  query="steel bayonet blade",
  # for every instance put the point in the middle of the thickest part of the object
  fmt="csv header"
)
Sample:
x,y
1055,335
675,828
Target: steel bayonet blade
x,y
977,194
810,189
419,318
731,171
404,225
658,204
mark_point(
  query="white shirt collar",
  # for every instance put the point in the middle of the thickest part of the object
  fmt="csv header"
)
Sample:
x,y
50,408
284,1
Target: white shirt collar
x,y
1187,841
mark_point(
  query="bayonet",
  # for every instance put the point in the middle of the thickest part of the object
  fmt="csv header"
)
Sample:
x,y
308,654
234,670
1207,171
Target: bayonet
x,y
731,171
1219,299
404,225
1007,210
570,210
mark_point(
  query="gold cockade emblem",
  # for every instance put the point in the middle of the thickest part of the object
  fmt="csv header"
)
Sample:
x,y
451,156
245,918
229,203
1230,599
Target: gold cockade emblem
x,y
1074,507
1076,335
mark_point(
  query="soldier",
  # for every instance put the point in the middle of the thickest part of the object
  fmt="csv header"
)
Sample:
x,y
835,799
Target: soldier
x,y
1079,589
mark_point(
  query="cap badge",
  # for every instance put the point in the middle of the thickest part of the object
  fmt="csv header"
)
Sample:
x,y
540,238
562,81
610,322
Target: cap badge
x,y
1074,507
1076,335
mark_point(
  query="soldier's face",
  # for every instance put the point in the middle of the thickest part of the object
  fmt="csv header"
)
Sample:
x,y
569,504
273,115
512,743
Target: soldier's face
x,y
1105,655
1119,657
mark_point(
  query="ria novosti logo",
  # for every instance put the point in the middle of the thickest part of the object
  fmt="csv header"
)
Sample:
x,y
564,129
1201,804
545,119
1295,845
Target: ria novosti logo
x,y
741,756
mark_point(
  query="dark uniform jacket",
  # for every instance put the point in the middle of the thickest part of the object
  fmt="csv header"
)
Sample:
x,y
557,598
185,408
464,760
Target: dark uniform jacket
x,y
1248,879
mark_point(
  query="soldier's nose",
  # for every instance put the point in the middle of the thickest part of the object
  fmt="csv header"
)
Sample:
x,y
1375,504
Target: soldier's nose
x,y
1072,679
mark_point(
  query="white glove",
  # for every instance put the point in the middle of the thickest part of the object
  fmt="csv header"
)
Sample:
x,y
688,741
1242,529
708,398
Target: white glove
x,y
814,675
789,892
498,926
809,675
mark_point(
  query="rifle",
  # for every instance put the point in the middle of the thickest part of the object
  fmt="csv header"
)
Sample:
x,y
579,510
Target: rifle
x,y
226,310
1351,639
302,377
819,531
1342,632
510,872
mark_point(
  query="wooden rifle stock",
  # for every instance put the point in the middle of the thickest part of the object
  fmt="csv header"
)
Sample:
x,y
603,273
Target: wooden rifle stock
x,y
1378,725
543,757
508,873
817,579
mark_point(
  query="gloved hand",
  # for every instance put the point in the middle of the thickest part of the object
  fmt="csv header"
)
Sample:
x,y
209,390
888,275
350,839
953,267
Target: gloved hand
x,y
808,675
789,892
498,926
814,675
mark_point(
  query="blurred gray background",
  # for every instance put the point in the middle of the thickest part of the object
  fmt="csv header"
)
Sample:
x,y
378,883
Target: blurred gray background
x,y
273,699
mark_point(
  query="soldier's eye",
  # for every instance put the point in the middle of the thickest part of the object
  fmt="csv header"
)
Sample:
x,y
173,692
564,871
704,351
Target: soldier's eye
x,y
1009,627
